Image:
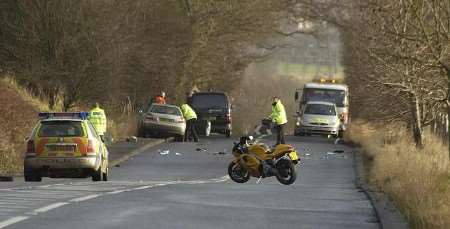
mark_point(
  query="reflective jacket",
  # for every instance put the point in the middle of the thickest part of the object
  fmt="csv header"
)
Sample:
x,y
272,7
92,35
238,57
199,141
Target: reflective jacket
x,y
98,119
188,112
278,115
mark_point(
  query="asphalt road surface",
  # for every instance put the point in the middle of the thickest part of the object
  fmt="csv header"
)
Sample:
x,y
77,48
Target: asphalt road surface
x,y
175,185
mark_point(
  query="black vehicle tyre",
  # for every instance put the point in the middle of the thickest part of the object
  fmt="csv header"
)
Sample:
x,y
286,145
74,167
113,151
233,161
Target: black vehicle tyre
x,y
179,138
286,172
238,174
31,176
141,132
98,175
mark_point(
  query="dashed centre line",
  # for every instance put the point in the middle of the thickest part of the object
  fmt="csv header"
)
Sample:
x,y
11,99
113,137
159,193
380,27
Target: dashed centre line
x,y
85,198
12,221
49,207
24,198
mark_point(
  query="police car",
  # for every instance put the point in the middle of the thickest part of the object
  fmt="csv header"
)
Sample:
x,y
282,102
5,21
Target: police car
x,y
65,145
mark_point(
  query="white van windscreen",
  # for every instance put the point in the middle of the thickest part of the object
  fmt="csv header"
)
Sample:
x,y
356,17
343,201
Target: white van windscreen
x,y
325,95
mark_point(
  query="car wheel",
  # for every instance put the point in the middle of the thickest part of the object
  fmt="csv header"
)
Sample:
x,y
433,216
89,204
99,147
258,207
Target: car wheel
x,y
141,132
179,138
31,176
98,174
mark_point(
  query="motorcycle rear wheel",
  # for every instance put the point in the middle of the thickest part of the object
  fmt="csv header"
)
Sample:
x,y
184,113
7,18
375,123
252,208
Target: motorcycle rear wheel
x,y
237,173
286,172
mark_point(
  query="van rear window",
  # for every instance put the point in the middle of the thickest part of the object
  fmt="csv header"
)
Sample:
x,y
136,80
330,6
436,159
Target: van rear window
x,y
61,129
209,101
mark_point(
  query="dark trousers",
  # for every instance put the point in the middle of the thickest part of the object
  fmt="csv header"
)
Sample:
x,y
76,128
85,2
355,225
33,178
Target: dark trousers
x,y
280,134
191,130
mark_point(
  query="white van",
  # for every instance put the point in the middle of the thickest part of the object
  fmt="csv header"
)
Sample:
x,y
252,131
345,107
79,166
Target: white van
x,y
325,91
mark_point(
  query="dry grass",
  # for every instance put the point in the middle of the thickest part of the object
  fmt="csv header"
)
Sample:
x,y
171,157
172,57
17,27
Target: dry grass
x,y
25,95
17,118
122,127
416,179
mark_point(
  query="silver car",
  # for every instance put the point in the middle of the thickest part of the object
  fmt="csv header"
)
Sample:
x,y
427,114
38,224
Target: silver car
x,y
318,118
162,121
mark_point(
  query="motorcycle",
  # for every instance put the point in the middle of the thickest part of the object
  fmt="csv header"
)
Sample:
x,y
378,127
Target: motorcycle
x,y
257,160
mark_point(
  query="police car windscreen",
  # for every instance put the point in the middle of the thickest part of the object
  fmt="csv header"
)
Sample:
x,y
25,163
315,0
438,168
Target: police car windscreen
x,y
61,129
320,109
325,95
208,101
165,110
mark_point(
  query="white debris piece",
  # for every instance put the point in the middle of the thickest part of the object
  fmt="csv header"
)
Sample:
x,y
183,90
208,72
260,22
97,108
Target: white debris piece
x,y
164,152
132,139
178,154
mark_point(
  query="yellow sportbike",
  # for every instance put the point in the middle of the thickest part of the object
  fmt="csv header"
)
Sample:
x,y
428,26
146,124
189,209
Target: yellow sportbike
x,y
257,160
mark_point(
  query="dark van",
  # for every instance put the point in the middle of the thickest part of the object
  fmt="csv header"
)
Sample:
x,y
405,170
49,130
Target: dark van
x,y
213,112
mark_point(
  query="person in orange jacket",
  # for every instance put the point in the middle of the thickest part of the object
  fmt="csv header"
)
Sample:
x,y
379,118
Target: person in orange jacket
x,y
161,98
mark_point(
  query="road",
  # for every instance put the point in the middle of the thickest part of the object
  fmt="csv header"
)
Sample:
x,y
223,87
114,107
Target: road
x,y
188,188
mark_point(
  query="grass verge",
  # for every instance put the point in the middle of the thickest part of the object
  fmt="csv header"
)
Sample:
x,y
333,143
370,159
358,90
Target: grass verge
x,y
417,180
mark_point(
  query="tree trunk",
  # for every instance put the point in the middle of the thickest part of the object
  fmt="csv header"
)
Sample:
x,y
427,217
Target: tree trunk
x,y
447,131
417,123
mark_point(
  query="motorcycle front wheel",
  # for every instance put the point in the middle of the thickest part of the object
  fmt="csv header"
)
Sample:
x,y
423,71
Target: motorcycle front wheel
x,y
237,173
286,172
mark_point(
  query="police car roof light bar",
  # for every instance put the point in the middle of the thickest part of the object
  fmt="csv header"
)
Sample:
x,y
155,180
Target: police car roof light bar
x,y
81,115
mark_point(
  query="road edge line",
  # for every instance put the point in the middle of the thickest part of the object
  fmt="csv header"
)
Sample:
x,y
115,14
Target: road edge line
x,y
137,151
388,215
12,221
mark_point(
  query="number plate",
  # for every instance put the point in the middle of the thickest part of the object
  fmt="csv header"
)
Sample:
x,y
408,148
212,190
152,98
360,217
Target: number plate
x,y
63,148
293,155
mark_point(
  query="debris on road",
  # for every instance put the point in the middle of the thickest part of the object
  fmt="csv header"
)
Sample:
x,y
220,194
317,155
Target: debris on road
x,y
133,139
219,153
307,154
164,152
178,154
201,149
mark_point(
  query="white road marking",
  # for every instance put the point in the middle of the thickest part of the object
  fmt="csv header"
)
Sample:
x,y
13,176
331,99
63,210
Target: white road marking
x,y
143,187
116,192
84,198
22,199
49,207
12,221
